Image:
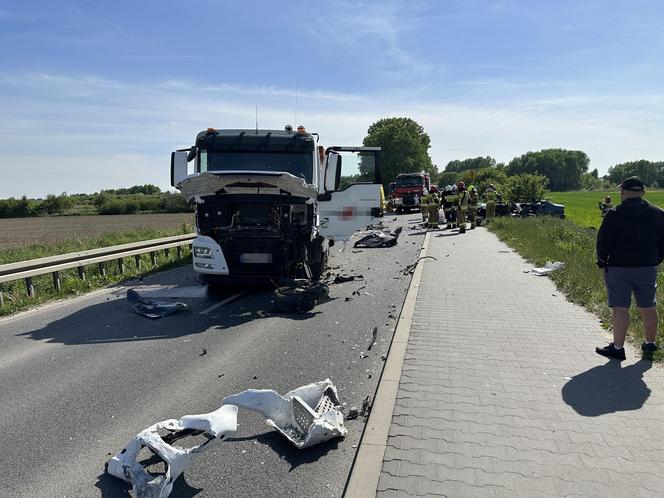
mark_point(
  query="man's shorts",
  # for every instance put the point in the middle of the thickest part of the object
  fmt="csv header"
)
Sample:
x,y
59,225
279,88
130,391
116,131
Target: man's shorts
x,y
621,281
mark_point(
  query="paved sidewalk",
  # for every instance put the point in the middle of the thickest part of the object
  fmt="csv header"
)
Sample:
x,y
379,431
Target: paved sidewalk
x,y
501,393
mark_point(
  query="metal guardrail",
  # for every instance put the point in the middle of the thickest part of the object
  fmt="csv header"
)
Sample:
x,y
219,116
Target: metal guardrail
x,y
55,264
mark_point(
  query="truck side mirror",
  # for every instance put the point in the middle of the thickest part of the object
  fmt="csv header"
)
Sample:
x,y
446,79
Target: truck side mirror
x,y
178,167
332,172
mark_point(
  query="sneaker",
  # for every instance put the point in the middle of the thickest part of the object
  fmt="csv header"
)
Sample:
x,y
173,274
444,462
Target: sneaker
x,y
649,348
611,352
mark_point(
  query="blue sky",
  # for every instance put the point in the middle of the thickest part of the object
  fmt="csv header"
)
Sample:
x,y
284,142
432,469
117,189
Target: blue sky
x,y
96,94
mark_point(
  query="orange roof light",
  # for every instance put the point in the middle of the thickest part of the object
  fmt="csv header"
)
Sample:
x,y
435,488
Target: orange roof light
x,y
301,129
211,130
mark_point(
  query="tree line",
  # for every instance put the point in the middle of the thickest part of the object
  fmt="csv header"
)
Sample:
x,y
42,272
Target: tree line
x,y
133,200
405,149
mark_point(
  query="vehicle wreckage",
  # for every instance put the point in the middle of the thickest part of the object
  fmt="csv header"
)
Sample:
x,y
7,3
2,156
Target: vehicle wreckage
x,y
269,204
305,416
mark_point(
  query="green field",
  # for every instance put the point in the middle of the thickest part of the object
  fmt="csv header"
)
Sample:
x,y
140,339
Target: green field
x,y
581,207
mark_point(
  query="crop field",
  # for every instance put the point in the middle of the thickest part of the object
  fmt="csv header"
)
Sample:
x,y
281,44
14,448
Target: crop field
x,y
581,207
49,231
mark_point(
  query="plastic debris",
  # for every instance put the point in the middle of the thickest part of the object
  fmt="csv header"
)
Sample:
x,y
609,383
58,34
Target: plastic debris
x,y
547,268
379,238
125,465
306,416
153,309
299,296
410,269
374,334
340,279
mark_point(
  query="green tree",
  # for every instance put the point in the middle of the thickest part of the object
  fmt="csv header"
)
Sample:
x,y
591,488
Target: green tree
x,y
447,178
405,148
525,188
485,176
562,167
651,173
473,163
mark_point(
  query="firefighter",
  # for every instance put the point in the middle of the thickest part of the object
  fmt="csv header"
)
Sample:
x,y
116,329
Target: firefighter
x,y
449,203
490,197
462,206
605,205
473,199
432,207
424,204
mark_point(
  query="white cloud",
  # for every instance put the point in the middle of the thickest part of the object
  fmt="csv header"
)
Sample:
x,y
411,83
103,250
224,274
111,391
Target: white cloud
x,y
67,133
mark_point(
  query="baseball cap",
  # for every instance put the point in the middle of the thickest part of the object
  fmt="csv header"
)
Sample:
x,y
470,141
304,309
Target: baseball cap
x,y
633,184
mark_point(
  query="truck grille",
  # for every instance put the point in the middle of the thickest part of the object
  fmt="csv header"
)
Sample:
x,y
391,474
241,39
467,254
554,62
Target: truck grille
x,y
236,247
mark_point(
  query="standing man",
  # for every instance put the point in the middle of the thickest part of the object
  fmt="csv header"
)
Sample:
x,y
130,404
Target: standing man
x,y
630,245
490,197
462,206
473,199
449,201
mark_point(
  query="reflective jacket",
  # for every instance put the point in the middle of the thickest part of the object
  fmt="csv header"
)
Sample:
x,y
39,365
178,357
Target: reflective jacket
x,y
490,196
463,200
474,198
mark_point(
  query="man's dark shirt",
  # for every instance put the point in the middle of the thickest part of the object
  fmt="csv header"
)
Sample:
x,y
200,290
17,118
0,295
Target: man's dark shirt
x,y
632,234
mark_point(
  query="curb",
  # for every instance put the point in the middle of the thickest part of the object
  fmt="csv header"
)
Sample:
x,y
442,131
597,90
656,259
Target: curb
x,y
368,463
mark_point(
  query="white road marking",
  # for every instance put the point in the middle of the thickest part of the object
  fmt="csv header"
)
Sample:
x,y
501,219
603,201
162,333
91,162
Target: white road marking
x,y
221,303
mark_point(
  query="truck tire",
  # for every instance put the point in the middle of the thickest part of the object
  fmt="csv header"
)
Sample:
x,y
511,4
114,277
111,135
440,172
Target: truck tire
x,y
317,259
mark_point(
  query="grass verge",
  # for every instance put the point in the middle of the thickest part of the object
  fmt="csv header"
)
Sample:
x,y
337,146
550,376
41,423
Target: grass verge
x,y
548,239
15,294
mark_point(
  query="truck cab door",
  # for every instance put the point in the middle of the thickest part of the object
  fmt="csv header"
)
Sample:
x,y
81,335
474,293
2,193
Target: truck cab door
x,y
352,191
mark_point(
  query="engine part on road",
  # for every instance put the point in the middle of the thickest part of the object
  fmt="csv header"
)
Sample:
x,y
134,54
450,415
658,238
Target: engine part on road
x,y
306,416
299,297
212,426
153,309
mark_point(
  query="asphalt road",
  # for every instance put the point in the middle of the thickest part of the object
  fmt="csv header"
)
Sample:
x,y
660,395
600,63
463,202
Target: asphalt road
x,y
79,379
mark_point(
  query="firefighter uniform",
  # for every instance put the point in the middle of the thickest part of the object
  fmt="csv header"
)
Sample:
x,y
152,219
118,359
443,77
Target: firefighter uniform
x,y
462,208
432,211
424,205
490,197
450,200
473,199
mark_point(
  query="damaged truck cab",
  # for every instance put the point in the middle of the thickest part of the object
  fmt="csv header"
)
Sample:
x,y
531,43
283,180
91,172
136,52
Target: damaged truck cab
x,y
268,202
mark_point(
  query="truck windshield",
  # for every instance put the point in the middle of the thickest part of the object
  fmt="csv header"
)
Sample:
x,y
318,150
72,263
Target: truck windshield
x,y
296,163
410,181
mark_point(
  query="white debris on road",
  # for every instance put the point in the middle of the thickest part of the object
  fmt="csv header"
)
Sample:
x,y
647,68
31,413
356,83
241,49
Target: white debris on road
x,y
306,416
125,465
547,268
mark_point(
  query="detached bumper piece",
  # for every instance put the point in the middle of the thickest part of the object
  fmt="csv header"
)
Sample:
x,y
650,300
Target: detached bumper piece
x,y
306,416
158,439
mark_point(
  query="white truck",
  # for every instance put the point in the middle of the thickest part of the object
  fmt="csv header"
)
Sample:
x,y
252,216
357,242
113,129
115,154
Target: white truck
x,y
268,202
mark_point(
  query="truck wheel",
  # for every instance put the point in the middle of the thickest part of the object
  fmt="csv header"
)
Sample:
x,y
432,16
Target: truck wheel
x,y
317,260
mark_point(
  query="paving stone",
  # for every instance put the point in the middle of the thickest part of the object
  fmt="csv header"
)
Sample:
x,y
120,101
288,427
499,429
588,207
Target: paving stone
x,y
486,407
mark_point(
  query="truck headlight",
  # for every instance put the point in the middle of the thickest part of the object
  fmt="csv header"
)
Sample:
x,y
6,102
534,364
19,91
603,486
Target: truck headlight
x,y
202,252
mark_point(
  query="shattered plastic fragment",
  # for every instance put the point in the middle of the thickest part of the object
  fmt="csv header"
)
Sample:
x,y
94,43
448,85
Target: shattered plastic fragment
x,y
151,308
158,439
547,268
305,416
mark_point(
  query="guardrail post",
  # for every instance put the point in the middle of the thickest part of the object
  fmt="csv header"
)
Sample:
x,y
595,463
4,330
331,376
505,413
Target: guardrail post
x,y
153,258
30,287
57,284
137,258
81,273
166,251
102,269
2,299
178,249
121,265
